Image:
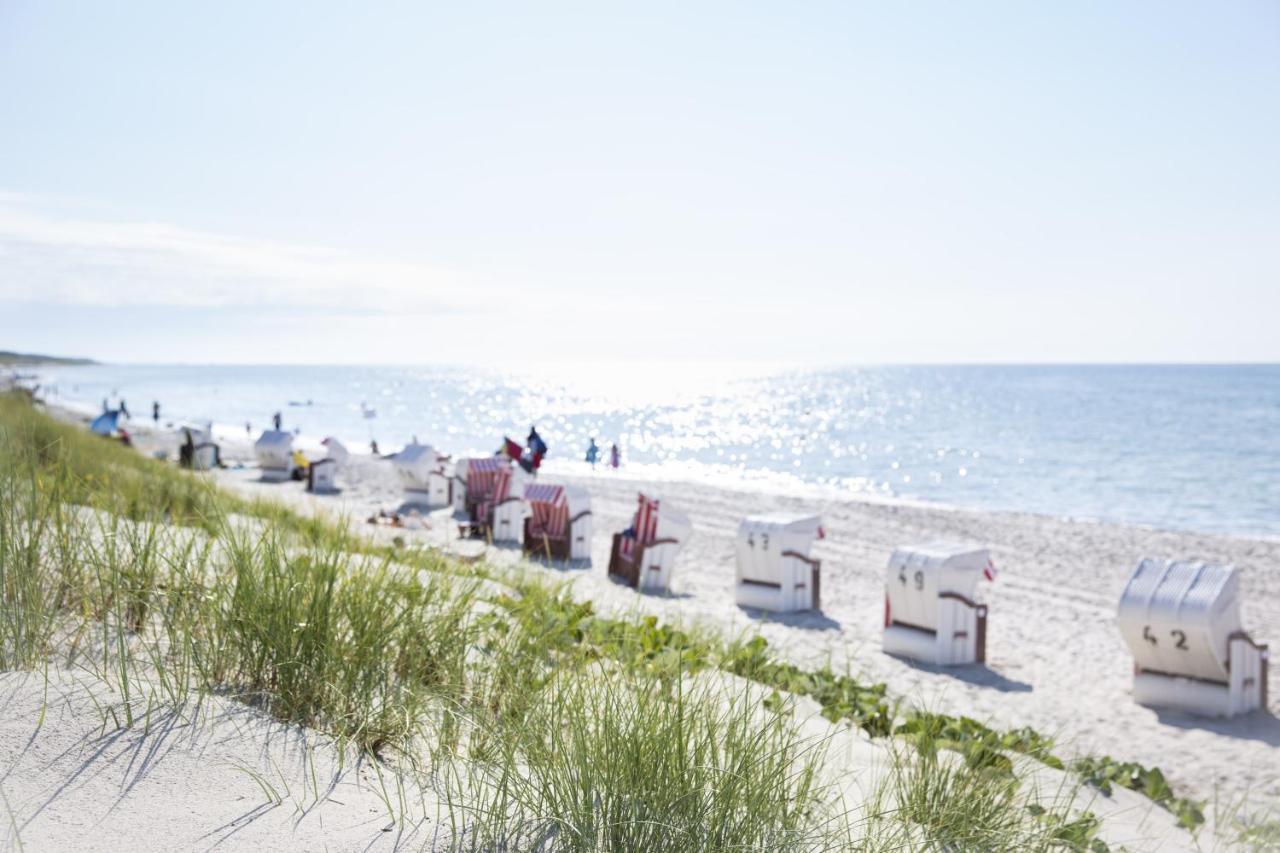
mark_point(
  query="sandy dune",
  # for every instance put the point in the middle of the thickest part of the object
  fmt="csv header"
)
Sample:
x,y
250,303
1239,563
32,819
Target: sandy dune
x,y
184,780
1055,658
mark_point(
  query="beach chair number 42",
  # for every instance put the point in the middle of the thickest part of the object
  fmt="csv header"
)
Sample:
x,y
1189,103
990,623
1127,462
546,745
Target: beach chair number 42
x,y
1178,635
919,578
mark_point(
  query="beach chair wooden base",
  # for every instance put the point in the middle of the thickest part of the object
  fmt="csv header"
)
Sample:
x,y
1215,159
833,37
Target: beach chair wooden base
x,y
801,589
927,646
1245,689
630,571
553,547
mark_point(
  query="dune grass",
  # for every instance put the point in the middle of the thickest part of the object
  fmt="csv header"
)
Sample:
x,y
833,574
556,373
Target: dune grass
x,y
547,725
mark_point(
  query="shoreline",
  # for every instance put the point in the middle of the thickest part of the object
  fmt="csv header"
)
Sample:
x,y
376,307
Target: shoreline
x,y
764,483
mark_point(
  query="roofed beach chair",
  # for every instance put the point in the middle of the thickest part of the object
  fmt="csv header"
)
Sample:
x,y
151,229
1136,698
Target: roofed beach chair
x,y
423,475
774,569
274,451
495,500
930,614
322,474
559,521
197,450
644,555
1181,621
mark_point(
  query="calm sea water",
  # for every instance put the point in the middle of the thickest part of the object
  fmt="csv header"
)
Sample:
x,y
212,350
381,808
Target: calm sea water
x,y
1187,447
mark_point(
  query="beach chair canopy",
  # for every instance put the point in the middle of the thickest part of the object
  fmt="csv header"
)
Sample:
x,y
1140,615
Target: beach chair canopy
x,y
418,455
763,539
335,450
275,447
415,464
482,475
1178,617
551,507
655,520
199,434
918,574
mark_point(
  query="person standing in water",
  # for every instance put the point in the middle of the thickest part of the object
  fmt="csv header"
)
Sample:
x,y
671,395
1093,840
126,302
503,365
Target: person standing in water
x,y
593,453
155,412
275,419
614,456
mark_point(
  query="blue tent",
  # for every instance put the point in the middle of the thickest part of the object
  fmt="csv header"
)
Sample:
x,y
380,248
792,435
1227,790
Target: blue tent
x,y
105,423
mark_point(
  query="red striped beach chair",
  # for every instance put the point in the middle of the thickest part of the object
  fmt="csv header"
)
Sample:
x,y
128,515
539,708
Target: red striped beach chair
x,y
559,522
645,556
495,497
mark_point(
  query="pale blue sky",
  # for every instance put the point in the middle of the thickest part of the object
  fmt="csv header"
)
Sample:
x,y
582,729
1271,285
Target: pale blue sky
x,y
816,182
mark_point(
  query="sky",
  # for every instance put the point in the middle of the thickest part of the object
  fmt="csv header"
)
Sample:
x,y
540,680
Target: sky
x,y
495,184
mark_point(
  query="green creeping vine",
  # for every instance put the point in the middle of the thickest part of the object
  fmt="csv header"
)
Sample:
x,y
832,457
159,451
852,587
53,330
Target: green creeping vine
x,y
563,625
1102,773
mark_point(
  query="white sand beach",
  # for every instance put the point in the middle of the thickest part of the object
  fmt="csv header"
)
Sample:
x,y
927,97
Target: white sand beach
x,y
210,775
190,779
1055,659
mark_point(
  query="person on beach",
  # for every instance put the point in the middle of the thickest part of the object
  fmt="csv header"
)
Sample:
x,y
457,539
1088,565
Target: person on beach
x,y
124,408
155,412
300,465
537,448
275,419
614,459
373,446
106,406
593,453
248,428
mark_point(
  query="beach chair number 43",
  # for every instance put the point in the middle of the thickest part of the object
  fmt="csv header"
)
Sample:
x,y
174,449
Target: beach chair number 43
x,y
919,578
1178,635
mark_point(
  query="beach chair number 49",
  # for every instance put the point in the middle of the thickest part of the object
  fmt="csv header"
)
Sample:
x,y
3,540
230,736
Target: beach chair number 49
x,y
919,578
1178,635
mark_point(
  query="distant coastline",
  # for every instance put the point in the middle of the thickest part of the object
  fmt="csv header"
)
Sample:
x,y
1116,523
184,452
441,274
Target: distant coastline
x,y
27,359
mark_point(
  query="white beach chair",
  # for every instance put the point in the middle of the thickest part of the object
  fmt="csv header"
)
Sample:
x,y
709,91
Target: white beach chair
x,y
423,475
775,571
336,450
274,450
1181,621
645,556
930,614
322,476
198,450
559,521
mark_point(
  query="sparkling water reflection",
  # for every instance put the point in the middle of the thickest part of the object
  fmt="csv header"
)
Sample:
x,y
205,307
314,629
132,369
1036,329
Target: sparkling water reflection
x,y
1193,447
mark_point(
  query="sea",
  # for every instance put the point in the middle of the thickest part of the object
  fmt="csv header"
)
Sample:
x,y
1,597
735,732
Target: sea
x,y
1186,447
